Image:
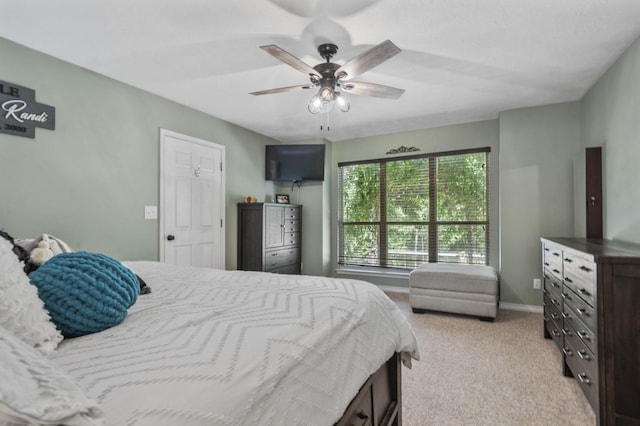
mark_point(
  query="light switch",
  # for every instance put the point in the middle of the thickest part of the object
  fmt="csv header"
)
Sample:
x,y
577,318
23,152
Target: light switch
x,y
150,212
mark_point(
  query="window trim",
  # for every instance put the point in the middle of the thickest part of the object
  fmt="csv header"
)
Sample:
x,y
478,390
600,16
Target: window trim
x,y
432,224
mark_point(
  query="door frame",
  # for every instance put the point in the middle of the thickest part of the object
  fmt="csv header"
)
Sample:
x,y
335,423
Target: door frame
x,y
207,144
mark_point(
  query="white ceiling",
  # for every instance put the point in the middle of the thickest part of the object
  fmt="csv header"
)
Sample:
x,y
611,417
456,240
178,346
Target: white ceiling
x,y
461,60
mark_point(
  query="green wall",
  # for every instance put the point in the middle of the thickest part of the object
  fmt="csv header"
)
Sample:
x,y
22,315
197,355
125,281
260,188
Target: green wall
x,y
537,149
611,119
316,211
531,184
88,180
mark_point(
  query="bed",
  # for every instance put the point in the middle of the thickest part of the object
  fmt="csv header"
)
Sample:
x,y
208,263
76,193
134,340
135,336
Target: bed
x,y
220,347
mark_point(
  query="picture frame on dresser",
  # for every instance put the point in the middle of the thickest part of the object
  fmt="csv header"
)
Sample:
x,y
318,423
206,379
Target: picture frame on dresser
x,y
282,198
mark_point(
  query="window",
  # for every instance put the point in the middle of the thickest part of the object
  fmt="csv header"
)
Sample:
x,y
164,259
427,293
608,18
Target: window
x,y
402,212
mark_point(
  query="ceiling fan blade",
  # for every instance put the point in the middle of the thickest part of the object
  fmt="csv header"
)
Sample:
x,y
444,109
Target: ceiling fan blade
x,y
367,60
371,89
291,60
283,89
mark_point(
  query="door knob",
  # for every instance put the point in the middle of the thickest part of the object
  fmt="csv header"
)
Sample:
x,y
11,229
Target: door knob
x,y
170,237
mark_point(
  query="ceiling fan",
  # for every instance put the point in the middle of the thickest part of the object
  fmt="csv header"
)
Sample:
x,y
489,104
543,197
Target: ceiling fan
x,y
333,79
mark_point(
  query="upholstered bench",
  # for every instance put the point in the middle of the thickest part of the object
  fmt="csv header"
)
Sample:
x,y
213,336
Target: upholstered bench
x,y
456,288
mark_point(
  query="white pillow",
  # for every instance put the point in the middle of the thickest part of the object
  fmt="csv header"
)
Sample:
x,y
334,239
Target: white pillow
x,y
34,391
21,310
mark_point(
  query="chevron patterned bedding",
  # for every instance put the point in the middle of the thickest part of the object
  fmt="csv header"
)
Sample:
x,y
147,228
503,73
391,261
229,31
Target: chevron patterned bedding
x,y
238,348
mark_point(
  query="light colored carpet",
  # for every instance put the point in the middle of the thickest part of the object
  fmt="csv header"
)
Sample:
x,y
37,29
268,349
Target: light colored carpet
x,y
480,373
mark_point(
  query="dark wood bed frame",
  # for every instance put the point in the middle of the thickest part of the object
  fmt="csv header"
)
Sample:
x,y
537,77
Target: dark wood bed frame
x,y
379,401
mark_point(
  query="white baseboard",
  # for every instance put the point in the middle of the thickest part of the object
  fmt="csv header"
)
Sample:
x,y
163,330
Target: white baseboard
x,y
503,305
520,307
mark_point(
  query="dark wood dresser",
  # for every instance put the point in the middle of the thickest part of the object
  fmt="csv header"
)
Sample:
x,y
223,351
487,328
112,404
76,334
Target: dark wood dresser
x,y
269,237
591,303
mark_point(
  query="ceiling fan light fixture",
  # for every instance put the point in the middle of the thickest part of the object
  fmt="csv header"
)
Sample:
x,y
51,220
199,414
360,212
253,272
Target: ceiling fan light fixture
x,y
315,104
324,100
326,95
342,102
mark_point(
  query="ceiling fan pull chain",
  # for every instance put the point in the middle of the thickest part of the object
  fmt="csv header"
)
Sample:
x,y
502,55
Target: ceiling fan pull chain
x,y
324,120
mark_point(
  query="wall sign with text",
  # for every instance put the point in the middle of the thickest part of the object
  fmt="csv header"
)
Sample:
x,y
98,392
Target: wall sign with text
x,y
20,114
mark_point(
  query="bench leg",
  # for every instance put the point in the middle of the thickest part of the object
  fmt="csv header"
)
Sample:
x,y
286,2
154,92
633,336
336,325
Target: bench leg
x,y
486,319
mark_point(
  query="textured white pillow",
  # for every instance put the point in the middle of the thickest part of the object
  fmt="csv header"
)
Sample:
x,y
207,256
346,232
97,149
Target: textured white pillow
x,y
21,310
34,391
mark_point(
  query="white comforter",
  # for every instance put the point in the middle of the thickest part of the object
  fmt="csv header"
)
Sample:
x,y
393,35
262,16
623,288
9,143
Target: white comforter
x,y
238,348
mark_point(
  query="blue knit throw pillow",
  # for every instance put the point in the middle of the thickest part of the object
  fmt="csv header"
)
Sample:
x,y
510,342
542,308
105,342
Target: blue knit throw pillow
x,y
85,292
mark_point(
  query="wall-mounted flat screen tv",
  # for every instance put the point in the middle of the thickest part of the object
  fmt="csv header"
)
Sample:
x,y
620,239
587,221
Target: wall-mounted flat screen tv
x,y
294,163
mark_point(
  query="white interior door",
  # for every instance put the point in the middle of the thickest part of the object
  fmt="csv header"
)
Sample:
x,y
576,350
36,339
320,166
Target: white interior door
x,y
191,201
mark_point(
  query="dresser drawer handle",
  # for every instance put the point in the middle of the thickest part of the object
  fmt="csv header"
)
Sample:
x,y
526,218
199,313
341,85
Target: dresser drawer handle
x,y
567,351
555,285
566,296
555,253
584,355
556,271
584,335
362,416
555,332
584,268
565,315
584,378
567,279
582,311
555,316
567,332
566,259
546,249
583,291
546,317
